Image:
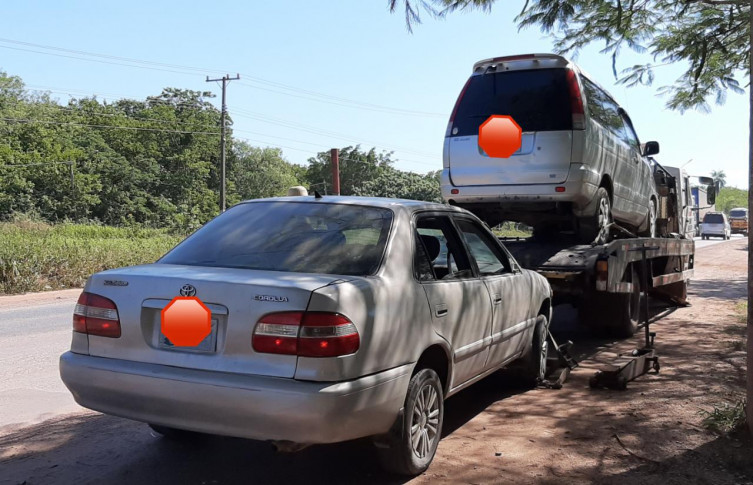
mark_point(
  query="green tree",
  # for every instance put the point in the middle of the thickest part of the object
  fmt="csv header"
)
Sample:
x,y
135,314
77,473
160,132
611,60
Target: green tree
x,y
356,168
402,185
261,172
731,197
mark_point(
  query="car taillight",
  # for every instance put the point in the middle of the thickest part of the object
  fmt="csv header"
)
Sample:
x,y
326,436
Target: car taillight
x,y
576,101
306,334
457,105
96,315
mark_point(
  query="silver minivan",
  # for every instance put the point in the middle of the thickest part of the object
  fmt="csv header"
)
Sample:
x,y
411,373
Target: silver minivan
x,y
580,166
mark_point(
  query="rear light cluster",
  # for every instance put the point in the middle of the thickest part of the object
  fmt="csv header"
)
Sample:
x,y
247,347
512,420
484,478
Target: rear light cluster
x,y
96,315
306,334
576,101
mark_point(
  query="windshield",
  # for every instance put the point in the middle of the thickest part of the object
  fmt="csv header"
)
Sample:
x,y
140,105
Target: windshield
x,y
738,213
713,219
290,236
538,100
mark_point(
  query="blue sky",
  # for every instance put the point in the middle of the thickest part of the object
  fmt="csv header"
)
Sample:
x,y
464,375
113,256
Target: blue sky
x,y
316,75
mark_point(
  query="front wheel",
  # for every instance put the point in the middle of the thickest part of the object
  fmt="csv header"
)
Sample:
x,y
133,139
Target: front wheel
x,y
534,370
412,444
651,223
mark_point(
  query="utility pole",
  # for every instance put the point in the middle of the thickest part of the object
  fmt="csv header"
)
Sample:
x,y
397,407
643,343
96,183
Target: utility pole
x,y
334,155
225,79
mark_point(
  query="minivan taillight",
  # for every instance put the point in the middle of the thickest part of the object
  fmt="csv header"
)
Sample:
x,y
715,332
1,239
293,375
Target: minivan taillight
x,y
457,105
96,315
305,334
576,101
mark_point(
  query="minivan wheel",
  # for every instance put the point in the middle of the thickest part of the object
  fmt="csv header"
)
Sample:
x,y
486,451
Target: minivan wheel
x,y
651,229
412,443
595,228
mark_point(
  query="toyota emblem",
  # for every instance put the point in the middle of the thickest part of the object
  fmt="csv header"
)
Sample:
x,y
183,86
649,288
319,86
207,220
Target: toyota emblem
x,y
187,290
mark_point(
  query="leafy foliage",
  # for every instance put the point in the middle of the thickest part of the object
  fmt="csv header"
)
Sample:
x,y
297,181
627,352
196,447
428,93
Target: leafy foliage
x,y
711,36
729,198
154,162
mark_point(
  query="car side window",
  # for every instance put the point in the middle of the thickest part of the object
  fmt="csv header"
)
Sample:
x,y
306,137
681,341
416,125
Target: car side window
x,y
439,247
603,109
630,137
487,255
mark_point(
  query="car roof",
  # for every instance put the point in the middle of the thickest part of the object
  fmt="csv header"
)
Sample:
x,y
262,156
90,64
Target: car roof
x,y
382,202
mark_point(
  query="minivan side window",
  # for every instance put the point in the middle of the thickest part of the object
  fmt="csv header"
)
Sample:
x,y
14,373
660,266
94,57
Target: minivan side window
x,y
603,109
630,137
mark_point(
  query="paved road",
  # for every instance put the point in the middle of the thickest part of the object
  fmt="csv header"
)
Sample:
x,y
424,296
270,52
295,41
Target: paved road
x,y
699,243
33,334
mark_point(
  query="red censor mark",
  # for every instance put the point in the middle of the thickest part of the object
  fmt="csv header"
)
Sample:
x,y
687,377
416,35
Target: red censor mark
x,y
499,136
186,321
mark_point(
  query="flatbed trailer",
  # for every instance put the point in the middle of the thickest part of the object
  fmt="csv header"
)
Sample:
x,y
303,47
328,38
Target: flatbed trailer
x,y
604,281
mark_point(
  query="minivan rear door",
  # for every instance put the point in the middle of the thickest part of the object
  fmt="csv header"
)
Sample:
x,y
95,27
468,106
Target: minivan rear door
x,y
539,101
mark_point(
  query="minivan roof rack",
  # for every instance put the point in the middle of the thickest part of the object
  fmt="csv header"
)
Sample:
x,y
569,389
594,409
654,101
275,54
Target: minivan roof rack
x,y
520,57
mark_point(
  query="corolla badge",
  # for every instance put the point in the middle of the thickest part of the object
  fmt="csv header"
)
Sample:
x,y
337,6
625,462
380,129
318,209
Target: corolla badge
x,y
278,299
187,290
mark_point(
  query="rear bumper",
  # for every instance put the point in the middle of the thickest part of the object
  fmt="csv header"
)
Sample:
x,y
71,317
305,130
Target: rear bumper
x,y
579,190
255,407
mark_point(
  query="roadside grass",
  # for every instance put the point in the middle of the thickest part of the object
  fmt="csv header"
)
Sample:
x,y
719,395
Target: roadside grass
x,y
725,418
35,256
512,229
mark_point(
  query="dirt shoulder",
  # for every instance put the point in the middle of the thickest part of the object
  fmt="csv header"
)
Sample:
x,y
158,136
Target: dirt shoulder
x,y
494,432
40,298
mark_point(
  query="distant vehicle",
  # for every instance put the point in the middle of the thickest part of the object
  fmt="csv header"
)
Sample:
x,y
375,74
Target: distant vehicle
x,y
715,224
333,318
580,165
738,219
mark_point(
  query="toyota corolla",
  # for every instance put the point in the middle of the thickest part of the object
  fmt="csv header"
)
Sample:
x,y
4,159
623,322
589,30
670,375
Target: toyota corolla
x,y
329,319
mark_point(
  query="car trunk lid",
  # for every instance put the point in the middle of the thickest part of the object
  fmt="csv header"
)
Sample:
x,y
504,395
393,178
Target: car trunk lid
x,y
237,298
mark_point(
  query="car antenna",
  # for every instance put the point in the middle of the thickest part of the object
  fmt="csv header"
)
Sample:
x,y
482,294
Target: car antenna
x,y
317,195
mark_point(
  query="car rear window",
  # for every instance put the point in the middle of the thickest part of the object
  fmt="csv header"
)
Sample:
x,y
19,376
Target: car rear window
x,y
290,236
738,213
713,219
538,100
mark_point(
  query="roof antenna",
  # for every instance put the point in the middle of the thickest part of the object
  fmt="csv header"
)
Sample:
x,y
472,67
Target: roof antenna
x,y
317,195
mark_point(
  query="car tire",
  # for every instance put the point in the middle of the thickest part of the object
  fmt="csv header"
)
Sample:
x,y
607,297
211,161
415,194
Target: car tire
x,y
651,223
594,228
625,309
410,453
534,367
175,433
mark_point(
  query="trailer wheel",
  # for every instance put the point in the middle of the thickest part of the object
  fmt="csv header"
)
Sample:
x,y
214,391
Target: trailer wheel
x,y
626,309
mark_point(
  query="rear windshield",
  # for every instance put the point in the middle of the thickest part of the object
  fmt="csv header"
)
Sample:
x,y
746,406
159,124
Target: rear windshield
x,y
538,100
290,236
738,213
713,219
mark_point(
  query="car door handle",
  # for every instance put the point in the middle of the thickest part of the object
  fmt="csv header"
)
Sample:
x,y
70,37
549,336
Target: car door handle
x,y
497,299
440,310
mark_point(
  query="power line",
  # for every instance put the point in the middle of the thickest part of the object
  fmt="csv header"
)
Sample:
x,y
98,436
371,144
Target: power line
x,y
188,70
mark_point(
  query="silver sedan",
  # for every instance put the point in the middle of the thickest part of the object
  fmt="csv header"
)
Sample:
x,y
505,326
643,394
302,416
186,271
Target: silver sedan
x,y
328,319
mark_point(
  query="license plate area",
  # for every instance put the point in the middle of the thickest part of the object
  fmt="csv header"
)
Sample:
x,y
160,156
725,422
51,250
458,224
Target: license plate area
x,y
208,345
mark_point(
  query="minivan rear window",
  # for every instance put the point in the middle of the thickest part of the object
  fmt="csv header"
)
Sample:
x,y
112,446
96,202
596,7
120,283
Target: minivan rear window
x,y
538,100
738,213
713,219
299,237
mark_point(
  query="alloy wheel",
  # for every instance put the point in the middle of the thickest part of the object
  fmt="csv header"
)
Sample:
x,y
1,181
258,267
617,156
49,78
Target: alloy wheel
x,y
425,421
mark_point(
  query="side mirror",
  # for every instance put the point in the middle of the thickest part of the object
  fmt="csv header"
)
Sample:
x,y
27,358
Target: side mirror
x,y
651,148
711,194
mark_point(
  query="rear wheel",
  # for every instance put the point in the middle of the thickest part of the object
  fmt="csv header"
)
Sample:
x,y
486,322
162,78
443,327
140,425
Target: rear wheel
x,y
411,445
625,309
595,228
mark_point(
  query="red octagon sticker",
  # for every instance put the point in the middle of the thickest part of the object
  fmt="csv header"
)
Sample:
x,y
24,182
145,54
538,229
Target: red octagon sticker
x,y
499,136
186,321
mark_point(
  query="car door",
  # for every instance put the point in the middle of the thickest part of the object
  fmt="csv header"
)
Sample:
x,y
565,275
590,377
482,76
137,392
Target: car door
x,y
642,180
460,305
509,288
